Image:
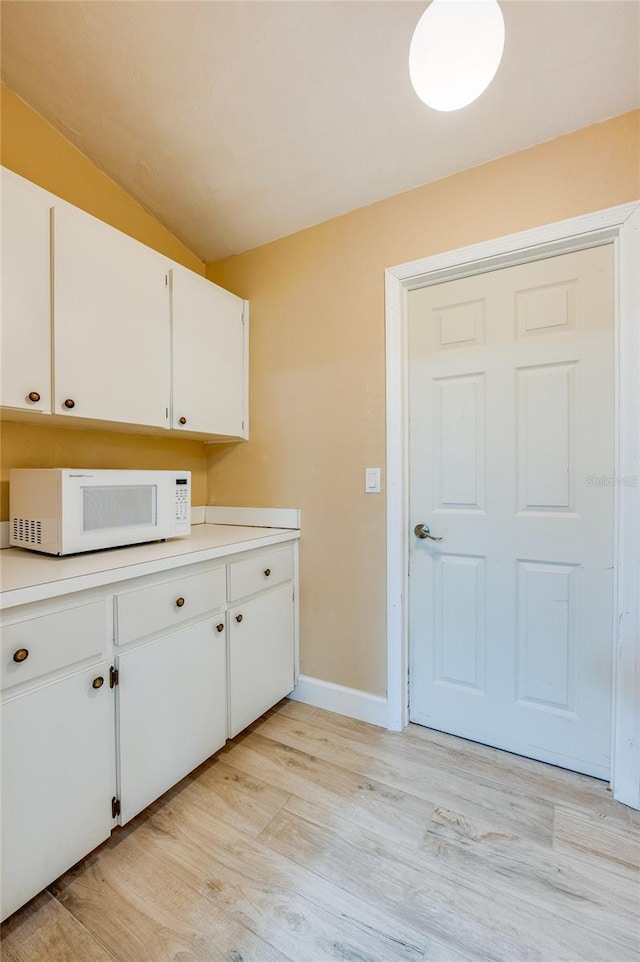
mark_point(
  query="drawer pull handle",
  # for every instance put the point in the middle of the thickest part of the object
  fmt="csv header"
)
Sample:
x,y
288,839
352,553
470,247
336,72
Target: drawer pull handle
x,y
267,572
69,403
220,627
182,420
34,396
179,602
97,682
238,618
21,655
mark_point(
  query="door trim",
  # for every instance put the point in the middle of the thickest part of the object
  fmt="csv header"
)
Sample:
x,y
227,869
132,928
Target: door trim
x,y
619,226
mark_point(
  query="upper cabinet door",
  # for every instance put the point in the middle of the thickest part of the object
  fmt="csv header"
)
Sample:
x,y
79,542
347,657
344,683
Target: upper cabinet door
x,y
25,301
111,323
209,357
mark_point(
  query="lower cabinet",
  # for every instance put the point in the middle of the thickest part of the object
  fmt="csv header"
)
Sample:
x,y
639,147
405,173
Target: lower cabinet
x,y
57,780
261,655
117,694
172,710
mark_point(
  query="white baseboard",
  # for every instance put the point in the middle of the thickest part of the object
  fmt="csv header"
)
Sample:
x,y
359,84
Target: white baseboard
x,y
345,701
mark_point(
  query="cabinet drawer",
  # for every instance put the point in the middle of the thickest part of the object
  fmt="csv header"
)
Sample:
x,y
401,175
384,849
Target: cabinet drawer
x,y
158,607
264,570
52,642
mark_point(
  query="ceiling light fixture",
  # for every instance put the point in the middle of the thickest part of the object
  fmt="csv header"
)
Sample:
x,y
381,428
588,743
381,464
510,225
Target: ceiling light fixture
x,y
455,51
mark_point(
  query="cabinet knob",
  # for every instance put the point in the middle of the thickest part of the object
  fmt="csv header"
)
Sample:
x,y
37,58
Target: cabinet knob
x,y
182,420
238,618
69,403
220,627
21,655
34,396
267,572
179,602
97,682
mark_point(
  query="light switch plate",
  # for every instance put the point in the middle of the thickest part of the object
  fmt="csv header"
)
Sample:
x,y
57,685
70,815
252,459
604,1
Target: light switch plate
x,y
372,480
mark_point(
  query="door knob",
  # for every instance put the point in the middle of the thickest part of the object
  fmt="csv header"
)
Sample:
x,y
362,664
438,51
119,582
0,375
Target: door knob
x,y
424,531
69,403
34,396
182,420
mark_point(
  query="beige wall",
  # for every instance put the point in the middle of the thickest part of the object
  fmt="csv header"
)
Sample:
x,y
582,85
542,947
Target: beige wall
x,y
35,150
32,148
318,356
43,446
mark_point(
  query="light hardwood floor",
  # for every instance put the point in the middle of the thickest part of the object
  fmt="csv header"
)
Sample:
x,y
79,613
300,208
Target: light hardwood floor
x,y
314,837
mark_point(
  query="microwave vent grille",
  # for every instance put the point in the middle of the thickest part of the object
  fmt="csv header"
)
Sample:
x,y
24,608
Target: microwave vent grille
x,y
27,531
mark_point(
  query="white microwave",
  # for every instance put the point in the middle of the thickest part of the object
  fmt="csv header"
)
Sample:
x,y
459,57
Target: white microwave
x,y
67,510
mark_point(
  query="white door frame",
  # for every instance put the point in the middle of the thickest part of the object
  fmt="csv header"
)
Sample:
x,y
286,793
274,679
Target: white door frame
x,y
621,227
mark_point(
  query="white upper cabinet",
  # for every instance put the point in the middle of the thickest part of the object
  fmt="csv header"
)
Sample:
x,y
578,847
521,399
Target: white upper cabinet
x,y
90,318
25,318
209,357
111,323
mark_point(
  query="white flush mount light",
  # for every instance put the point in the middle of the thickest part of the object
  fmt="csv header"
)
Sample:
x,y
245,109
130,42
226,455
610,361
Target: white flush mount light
x,y
455,51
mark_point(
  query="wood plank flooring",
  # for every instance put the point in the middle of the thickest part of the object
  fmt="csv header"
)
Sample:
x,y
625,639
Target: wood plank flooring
x,y
315,837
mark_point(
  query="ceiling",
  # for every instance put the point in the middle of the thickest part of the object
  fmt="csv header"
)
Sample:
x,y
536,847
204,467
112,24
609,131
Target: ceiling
x,y
237,122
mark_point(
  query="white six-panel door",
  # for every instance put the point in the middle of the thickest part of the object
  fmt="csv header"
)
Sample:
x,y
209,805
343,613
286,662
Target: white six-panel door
x,y
511,462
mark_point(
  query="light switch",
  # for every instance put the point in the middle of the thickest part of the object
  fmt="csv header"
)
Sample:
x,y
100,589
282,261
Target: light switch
x,y
372,480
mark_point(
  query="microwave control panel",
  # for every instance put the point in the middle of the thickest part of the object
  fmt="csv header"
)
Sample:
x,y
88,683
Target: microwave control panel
x,y
183,501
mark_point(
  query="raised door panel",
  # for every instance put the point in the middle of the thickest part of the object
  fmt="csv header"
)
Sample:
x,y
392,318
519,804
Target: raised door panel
x,y
25,323
172,711
57,781
111,324
261,655
209,369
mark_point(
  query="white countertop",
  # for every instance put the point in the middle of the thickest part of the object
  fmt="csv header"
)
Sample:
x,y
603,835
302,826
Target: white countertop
x,y
26,576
